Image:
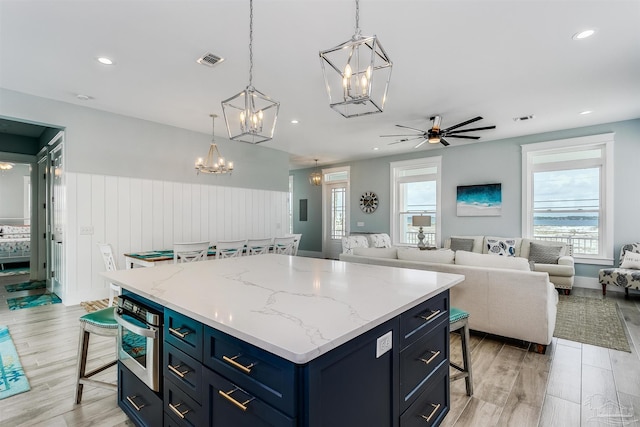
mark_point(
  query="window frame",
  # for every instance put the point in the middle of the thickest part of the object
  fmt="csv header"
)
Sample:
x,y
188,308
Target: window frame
x,y
395,168
604,142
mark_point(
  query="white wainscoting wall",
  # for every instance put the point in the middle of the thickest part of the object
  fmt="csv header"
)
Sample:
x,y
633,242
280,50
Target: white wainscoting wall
x,y
140,215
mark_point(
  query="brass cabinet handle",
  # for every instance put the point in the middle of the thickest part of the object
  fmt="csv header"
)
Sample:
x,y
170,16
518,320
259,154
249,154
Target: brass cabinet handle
x,y
175,370
136,407
435,409
177,332
177,411
232,361
227,396
431,316
434,354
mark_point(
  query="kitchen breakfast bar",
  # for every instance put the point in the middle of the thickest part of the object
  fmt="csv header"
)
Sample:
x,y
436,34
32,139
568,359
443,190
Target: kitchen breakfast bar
x,y
276,340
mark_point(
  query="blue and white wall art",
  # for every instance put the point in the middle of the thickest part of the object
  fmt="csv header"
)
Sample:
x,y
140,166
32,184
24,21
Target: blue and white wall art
x,y
479,200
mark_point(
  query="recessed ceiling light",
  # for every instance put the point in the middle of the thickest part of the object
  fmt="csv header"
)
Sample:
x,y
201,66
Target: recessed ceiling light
x,y
294,121
585,112
584,34
104,60
375,148
82,97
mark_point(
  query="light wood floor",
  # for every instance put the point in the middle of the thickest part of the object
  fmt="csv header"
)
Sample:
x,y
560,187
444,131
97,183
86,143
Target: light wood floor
x,y
512,386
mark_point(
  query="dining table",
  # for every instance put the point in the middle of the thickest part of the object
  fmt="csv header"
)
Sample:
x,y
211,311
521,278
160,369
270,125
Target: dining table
x,y
152,258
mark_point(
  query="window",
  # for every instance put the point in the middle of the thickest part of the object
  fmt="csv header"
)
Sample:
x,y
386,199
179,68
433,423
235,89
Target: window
x,y
415,189
568,195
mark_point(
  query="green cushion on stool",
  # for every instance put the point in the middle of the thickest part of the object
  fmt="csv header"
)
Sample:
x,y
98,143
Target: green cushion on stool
x,y
456,314
101,318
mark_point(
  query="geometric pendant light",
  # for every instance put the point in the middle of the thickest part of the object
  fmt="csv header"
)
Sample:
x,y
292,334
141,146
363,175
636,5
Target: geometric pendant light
x,y
315,177
250,115
357,74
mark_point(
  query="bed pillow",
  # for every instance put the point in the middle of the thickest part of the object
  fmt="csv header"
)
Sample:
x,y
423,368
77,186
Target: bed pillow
x,y
631,260
544,254
442,256
460,244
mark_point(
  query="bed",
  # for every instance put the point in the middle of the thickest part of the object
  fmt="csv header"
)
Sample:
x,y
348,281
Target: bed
x,y
15,244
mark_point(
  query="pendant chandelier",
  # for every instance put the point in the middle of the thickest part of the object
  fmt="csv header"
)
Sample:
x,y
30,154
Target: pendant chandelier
x,y
250,115
357,74
215,163
315,177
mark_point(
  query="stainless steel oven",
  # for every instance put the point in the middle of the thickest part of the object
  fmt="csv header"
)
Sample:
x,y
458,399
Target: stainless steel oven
x,y
140,340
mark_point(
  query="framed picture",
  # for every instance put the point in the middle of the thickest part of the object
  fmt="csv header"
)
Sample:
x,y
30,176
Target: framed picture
x,y
479,200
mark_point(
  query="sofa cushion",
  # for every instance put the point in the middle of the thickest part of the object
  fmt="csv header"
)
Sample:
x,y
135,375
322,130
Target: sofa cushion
x,y
379,240
544,254
630,260
391,253
505,246
460,244
443,256
350,242
491,261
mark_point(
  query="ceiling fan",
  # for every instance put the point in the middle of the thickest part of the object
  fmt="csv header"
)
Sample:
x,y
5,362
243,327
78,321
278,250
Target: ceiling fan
x,y
436,135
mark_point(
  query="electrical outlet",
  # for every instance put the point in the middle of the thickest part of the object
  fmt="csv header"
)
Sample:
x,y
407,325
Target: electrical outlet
x,y
87,230
360,223
384,344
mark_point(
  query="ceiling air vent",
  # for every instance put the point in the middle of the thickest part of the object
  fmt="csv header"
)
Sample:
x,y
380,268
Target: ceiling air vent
x,y
209,59
523,118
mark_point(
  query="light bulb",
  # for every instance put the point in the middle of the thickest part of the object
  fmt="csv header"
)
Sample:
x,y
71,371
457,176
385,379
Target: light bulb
x,y
199,162
230,166
260,115
369,72
347,72
364,85
221,161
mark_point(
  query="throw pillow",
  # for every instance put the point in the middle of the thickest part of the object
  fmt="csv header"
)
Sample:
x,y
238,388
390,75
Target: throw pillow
x,y
544,254
631,260
505,247
380,240
458,244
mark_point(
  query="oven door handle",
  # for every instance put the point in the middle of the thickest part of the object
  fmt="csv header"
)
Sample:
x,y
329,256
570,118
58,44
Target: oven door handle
x,y
149,331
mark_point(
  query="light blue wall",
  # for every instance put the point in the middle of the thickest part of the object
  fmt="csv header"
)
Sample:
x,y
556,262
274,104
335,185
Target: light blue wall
x,y
99,142
481,163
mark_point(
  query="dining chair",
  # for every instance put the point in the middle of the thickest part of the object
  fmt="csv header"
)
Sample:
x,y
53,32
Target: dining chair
x,y
259,246
230,248
110,265
190,252
296,238
284,245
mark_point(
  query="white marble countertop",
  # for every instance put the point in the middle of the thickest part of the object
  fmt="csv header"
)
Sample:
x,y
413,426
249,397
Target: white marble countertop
x,y
295,307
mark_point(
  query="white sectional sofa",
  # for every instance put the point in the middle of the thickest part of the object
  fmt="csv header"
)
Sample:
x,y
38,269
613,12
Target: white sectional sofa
x,y
502,295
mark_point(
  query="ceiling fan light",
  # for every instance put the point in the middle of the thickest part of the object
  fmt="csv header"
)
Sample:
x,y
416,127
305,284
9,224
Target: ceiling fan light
x,y
434,139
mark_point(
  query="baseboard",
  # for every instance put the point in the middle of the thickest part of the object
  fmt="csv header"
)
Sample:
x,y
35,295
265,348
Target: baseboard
x,y
593,283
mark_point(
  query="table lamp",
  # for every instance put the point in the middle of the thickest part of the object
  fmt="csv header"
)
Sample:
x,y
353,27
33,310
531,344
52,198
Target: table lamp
x,y
421,221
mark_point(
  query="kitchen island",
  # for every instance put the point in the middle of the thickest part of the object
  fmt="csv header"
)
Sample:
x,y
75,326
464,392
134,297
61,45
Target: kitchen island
x,y
292,341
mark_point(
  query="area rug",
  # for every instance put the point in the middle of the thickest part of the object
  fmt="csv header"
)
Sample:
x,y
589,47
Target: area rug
x,y
91,306
592,321
32,301
12,377
26,286
14,271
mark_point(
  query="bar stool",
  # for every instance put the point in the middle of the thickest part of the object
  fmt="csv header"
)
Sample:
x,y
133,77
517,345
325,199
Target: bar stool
x,y
101,323
459,321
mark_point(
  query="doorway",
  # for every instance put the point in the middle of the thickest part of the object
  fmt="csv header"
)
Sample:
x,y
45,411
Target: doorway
x,y
335,210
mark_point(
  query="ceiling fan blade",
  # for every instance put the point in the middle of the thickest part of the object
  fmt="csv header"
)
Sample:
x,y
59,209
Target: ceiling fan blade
x,y
475,119
463,136
444,142
471,130
414,136
420,144
404,140
407,127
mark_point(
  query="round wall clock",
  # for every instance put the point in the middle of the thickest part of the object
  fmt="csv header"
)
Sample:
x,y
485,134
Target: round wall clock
x,y
368,202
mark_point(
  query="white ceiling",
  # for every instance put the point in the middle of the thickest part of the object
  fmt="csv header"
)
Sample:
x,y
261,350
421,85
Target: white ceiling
x,y
499,59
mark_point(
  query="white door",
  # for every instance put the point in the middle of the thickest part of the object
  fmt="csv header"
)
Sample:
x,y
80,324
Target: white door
x,y
335,212
57,225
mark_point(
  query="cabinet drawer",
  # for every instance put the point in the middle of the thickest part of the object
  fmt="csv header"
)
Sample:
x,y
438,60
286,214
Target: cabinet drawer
x,y
231,406
184,333
432,405
137,400
184,371
267,376
420,360
183,410
419,320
